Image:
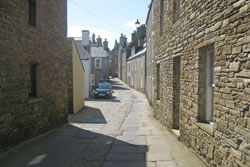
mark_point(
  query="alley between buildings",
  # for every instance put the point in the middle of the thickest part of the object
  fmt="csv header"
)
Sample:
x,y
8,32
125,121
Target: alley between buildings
x,y
117,132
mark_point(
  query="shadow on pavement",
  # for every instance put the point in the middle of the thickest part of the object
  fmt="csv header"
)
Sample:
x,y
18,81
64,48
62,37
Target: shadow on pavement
x,y
70,146
119,88
88,115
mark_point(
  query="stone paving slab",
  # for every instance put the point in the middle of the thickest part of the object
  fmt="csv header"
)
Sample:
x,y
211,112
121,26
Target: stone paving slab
x,y
123,149
159,156
125,157
166,164
136,132
120,132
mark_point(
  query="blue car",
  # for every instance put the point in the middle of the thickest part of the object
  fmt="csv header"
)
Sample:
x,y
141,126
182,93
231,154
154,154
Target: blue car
x,y
103,90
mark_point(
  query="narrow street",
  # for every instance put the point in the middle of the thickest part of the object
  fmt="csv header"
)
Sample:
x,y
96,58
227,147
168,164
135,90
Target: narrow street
x,y
117,132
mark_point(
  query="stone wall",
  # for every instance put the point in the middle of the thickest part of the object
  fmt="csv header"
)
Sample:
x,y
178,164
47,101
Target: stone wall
x,y
21,45
124,66
224,25
150,53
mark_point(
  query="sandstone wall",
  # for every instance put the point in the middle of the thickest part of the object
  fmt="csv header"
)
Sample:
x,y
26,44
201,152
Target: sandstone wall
x,y
21,44
225,25
78,80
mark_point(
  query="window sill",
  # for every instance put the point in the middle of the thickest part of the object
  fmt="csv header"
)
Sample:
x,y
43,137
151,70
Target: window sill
x,y
34,100
207,128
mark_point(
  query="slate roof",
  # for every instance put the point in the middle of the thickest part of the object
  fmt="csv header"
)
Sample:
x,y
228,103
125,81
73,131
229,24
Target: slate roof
x,y
84,54
138,54
98,52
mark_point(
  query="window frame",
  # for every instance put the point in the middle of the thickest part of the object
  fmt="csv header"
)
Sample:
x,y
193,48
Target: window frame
x,y
98,67
206,84
158,76
176,10
32,9
162,8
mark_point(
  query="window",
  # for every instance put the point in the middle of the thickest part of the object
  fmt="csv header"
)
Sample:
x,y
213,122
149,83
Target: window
x,y
133,51
98,63
161,16
34,80
176,10
206,84
158,81
32,12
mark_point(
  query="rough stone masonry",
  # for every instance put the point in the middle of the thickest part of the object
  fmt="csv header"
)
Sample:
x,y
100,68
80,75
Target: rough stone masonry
x,y
33,68
189,35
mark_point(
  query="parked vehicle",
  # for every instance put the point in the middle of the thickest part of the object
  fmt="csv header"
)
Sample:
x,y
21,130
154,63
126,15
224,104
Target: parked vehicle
x,y
103,90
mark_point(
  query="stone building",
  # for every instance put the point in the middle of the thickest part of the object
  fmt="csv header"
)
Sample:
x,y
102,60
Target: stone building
x,y
121,60
202,76
136,72
128,50
114,60
99,64
34,68
150,53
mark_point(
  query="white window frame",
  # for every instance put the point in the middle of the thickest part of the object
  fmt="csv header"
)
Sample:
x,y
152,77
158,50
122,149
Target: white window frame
x,y
96,66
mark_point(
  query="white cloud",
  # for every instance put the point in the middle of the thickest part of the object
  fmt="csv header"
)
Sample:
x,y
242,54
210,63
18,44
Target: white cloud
x,y
131,24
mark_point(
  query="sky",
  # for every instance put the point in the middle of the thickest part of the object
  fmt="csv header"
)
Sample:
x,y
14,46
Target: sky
x,y
107,18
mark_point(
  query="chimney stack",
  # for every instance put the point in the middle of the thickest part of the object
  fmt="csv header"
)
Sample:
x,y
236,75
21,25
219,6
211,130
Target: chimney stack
x,y
99,41
93,37
106,44
85,37
123,41
133,36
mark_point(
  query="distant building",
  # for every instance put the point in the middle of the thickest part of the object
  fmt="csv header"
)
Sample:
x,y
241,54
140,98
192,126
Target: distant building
x,y
136,70
134,58
95,57
114,60
99,60
122,61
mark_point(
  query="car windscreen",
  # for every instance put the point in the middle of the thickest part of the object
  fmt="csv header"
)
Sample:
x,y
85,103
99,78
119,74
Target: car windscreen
x,y
103,86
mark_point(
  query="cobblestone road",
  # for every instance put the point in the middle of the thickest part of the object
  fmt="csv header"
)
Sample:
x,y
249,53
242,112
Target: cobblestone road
x,y
118,132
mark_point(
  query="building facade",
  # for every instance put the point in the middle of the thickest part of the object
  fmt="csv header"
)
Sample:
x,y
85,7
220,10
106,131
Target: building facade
x,y
34,68
136,72
99,64
202,76
121,52
150,53
114,60
78,79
